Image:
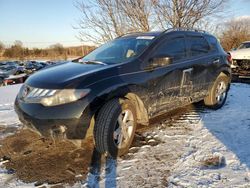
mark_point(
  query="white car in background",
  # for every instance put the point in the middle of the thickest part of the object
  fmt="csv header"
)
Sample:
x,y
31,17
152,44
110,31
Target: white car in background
x,y
241,56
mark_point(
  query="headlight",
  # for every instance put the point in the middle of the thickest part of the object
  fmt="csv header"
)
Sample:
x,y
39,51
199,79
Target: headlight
x,y
64,96
48,97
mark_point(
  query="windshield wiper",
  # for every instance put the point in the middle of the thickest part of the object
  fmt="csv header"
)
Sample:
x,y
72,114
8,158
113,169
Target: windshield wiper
x,y
94,62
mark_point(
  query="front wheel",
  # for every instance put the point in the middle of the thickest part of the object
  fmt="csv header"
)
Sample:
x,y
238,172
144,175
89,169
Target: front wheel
x,y
218,92
115,127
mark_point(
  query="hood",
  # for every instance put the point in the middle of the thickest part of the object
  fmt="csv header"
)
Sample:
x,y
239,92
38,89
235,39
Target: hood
x,y
241,53
63,75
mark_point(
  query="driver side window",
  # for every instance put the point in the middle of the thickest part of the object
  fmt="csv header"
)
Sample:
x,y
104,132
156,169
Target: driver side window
x,y
174,48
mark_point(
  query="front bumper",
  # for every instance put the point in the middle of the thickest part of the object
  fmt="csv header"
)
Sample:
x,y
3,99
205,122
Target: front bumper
x,y
241,64
74,117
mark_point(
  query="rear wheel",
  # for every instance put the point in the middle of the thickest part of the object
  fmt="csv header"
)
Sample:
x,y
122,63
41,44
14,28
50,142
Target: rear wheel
x,y
218,92
115,127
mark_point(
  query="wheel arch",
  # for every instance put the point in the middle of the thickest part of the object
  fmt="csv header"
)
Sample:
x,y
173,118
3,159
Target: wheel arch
x,y
222,72
122,92
226,70
141,112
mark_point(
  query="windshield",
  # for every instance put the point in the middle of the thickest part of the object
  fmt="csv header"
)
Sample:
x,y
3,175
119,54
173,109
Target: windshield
x,y
119,50
244,45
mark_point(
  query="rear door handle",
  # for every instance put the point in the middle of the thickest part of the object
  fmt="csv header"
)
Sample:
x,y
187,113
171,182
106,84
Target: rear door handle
x,y
188,70
216,61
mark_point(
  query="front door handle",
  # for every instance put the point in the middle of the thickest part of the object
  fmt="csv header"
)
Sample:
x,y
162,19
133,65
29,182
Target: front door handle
x,y
188,70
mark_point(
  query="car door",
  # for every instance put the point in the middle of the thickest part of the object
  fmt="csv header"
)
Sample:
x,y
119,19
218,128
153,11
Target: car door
x,y
199,54
169,86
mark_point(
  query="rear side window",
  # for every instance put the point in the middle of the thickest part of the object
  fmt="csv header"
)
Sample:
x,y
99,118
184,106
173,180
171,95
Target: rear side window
x,y
175,48
198,45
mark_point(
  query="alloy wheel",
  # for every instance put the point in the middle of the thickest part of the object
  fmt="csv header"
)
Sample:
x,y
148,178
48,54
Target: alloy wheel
x,y
221,92
124,129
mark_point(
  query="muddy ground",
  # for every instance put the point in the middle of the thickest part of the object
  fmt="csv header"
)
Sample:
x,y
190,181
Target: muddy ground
x,y
34,159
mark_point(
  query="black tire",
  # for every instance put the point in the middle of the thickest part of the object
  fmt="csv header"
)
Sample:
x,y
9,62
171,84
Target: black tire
x,y
106,123
212,100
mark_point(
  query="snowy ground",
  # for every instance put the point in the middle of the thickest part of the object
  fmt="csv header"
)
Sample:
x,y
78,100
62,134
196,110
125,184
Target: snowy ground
x,y
173,153
8,117
223,132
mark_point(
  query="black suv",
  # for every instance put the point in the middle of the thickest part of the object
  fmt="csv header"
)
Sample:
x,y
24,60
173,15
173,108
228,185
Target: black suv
x,y
124,83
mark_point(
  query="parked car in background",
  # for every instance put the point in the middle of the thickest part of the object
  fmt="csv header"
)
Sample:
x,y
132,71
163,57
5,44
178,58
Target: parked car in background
x,y
241,56
11,68
11,73
8,70
34,65
123,83
43,64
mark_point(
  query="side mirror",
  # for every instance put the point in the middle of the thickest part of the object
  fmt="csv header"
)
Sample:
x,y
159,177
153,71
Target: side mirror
x,y
157,62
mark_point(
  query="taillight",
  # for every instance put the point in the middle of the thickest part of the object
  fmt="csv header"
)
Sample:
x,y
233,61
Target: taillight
x,y
229,58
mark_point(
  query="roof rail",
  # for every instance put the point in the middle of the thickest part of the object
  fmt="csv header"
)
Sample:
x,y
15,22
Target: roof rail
x,y
127,34
167,30
184,29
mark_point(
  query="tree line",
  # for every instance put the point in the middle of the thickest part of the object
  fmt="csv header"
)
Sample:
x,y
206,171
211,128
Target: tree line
x,y
55,51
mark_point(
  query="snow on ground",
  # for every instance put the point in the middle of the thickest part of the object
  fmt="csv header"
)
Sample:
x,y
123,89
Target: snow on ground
x,y
223,132
8,117
173,152
8,94
9,123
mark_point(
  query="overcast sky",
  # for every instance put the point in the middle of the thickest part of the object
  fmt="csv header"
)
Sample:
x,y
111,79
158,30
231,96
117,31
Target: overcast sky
x,y
41,23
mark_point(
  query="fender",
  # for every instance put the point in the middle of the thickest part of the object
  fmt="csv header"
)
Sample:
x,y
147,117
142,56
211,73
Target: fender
x,y
131,92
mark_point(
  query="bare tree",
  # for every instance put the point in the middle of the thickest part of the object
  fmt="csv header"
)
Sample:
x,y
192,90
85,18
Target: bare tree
x,y
103,20
16,50
138,13
1,47
186,13
100,20
18,43
234,32
57,48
